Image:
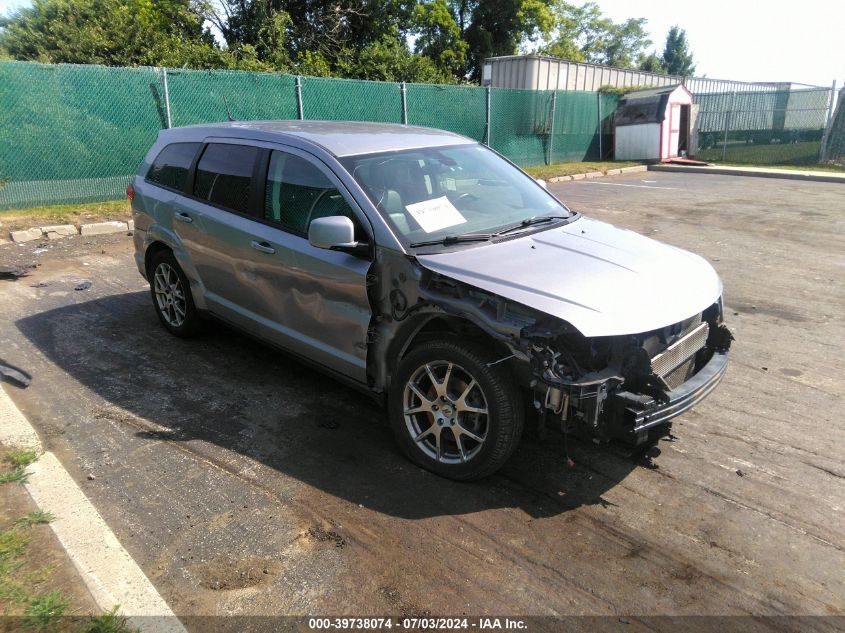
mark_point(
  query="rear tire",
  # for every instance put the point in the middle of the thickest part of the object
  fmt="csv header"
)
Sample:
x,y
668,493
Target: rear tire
x,y
171,294
453,412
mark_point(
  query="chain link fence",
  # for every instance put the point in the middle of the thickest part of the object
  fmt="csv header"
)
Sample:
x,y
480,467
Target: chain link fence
x,y
833,147
783,127
75,133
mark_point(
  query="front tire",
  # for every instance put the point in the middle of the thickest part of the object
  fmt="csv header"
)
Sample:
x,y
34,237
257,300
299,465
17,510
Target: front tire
x,y
171,294
453,412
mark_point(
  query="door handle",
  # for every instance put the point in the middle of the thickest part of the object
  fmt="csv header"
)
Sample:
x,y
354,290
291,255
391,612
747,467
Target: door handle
x,y
264,247
183,217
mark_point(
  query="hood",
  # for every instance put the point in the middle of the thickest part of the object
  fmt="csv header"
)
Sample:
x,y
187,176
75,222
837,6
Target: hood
x,y
603,280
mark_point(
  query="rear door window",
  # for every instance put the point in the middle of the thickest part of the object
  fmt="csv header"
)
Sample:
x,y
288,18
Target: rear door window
x,y
170,168
224,175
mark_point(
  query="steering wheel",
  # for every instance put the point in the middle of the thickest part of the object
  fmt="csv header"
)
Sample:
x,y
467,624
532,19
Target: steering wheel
x,y
465,197
314,206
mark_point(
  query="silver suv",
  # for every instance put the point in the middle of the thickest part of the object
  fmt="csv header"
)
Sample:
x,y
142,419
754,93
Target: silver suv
x,y
432,273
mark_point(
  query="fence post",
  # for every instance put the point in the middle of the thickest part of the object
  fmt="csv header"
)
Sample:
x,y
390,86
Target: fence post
x,y
404,90
828,124
487,115
599,125
167,98
727,120
552,126
299,108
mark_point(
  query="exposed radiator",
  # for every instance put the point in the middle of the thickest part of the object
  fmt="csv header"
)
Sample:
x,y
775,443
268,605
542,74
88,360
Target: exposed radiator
x,y
680,356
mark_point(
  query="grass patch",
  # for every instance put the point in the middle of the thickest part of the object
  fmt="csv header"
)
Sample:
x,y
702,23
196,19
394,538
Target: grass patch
x,y
36,517
567,169
44,612
38,592
12,545
770,155
108,622
14,219
21,456
17,474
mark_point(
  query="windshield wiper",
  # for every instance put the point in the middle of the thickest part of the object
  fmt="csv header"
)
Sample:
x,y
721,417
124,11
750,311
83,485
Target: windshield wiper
x,y
455,239
534,219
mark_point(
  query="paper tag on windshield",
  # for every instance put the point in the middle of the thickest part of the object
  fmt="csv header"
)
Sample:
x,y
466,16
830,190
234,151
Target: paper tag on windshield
x,y
436,214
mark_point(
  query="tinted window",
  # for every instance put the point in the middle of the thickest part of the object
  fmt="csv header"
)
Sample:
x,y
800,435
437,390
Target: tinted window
x,y
224,175
170,168
297,192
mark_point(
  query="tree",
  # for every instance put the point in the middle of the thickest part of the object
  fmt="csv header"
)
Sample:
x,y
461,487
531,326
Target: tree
x,y
439,36
312,29
677,58
114,33
652,63
583,33
390,59
498,27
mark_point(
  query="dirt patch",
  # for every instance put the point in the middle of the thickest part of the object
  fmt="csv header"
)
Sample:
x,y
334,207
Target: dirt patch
x,y
321,535
227,574
404,608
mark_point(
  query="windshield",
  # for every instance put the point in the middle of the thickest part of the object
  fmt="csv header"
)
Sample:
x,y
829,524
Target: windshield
x,y
430,194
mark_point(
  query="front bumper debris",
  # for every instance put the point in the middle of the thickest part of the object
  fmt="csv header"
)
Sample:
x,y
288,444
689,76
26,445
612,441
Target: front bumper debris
x,y
634,414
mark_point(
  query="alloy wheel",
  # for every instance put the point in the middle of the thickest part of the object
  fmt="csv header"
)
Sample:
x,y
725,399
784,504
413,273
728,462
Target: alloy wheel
x,y
445,412
169,294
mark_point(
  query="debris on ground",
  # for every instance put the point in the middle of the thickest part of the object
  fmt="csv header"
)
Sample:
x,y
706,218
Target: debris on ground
x,y
325,536
740,473
12,273
14,375
83,285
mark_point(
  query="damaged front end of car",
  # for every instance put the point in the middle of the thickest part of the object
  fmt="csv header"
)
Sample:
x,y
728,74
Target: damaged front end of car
x,y
626,388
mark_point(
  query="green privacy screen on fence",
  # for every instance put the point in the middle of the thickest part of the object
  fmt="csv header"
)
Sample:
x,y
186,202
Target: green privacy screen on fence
x,y
459,109
203,96
74,133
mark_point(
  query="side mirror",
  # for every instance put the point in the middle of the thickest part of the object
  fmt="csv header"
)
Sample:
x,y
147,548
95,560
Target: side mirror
x,y
542,183
336,231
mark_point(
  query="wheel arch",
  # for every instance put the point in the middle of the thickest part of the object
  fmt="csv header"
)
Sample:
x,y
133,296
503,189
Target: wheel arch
x,y
151,251
431,326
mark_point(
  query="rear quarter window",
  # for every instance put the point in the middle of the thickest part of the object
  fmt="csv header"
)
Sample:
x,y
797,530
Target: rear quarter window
x,y
170,168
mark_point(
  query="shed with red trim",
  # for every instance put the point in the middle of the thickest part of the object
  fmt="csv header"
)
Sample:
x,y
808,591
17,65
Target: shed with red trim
x,y
653,124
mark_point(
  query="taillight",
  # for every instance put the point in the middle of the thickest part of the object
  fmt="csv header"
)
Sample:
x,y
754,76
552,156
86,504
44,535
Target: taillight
x,y
130,193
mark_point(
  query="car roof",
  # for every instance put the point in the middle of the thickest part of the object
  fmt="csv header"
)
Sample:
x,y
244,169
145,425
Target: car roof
x,y
341,138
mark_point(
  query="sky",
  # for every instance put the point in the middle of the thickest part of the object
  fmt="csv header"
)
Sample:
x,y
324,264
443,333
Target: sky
x,y
749,40
744,40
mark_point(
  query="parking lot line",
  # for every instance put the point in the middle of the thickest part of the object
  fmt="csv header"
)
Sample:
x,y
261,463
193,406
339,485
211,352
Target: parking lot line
x,y
111,575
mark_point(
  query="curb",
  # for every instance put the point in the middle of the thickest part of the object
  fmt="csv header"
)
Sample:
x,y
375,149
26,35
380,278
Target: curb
x,y
598,174
729,171
58,231
111,575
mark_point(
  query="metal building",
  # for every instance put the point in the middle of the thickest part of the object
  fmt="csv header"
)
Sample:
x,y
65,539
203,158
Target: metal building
x,y
653,124
541,72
